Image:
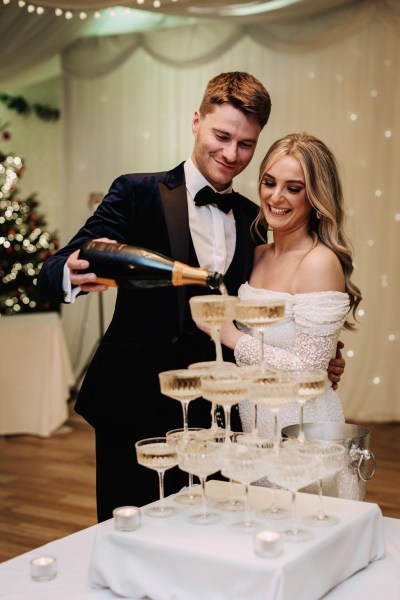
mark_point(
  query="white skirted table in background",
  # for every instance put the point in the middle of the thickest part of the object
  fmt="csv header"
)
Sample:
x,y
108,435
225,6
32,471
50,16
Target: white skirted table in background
x,y
35,374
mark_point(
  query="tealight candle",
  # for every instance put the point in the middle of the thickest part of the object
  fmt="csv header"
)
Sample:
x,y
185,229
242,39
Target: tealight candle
x,y
126,518
43,568
267,543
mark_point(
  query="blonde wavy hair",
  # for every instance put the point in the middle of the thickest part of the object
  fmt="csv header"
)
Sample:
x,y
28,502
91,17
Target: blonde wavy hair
x,y
324,192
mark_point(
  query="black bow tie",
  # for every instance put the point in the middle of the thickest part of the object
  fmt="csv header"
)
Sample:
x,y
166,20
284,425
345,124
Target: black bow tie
x,y
207,196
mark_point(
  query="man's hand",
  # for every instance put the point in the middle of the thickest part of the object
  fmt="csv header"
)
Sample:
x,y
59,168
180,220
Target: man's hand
x,y
336,366
86,281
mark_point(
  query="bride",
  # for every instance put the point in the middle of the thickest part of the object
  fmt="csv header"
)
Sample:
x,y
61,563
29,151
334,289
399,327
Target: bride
x,y
308,265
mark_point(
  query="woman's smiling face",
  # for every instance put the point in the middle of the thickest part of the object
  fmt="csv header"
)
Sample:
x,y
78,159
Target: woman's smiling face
x,y
283,194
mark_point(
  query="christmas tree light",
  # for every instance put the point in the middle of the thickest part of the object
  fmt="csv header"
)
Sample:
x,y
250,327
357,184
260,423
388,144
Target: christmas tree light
x,y
24,241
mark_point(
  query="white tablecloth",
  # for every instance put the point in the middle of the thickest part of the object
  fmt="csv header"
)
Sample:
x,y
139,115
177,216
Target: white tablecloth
x,y
194,562
35,374
74,554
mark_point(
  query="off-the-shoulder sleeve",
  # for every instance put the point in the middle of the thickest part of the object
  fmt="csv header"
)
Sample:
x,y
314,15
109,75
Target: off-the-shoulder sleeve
x,y
319,318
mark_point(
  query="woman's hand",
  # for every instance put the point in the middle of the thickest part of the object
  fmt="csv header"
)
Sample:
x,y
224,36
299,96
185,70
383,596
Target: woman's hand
x,y
336,366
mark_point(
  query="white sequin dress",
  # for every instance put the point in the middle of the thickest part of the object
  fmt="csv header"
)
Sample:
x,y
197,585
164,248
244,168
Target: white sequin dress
x,y
305,338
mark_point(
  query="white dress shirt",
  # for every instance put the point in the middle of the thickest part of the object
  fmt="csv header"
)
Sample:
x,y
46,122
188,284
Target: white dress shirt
x,y
213,231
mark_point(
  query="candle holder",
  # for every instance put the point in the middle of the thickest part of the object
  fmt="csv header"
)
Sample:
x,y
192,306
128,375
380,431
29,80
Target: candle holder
x,y
267,544
43,568
126,518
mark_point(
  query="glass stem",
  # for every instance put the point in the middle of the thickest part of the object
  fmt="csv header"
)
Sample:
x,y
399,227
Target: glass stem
x,y
321,512
255,430
246,504
185,407
214,422
214,332
277,437
274,506
301,437
231,494
203,495
261,332
227,411
161,485
295,526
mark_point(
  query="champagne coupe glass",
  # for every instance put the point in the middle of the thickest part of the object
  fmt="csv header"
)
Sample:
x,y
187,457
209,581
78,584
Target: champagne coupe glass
x,y
246,464
259,314
311,384
156,453
332,458
192,496
233,503
224,387
274,393
292,471
208,366
259,379
201,457
213,311
254,441
182,385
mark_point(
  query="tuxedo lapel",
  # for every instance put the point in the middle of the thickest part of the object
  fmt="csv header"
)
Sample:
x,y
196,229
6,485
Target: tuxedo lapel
x,y
177,221
241,264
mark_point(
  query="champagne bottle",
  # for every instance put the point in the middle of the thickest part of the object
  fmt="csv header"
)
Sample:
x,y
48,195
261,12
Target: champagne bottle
x,y
120,265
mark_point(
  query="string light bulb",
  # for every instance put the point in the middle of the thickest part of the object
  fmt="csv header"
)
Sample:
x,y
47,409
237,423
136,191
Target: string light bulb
x,y
82,15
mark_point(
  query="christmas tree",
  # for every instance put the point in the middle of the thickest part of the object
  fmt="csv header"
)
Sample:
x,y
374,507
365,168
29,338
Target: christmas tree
x,y
24,242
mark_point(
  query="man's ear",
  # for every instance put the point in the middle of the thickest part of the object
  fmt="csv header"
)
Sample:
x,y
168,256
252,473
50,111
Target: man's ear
x,y
195,121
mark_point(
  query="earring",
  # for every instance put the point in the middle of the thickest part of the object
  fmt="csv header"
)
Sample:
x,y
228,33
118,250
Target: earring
x,y
318,214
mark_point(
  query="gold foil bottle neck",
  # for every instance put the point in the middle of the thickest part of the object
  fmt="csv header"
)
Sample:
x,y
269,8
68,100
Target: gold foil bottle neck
x,y
184,275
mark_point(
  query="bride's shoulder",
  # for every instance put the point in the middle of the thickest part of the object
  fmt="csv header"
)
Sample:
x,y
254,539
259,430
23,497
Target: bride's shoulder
x,y
321,254
320,270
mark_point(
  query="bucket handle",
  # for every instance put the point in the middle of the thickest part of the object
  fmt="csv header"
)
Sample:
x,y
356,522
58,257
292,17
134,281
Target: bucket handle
x,y
361,455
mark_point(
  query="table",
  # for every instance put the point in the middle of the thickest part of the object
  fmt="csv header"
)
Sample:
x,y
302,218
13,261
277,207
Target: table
x,y
35,374
74,552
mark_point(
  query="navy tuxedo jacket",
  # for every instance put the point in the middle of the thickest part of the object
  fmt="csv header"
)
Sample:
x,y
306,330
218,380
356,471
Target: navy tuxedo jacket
x,y
151,329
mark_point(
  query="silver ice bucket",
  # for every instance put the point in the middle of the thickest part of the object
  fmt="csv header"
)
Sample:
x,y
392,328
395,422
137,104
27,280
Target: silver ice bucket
x,y
351,481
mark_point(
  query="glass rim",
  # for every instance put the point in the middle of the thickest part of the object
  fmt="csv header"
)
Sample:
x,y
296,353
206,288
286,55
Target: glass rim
x,y
214,298
160,439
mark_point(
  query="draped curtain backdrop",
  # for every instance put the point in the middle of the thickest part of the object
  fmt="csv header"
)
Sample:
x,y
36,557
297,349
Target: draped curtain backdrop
x,y
332,69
